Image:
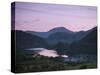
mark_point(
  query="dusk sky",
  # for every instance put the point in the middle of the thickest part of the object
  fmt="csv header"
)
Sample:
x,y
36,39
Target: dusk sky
x,y
43,17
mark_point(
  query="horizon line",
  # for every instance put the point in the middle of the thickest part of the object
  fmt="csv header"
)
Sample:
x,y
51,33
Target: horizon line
x,y
56,27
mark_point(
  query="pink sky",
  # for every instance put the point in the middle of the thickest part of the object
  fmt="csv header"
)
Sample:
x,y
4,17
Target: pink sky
x,y
43,17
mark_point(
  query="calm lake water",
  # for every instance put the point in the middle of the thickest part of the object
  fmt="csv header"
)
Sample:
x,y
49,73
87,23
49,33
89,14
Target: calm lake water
x,y
47,52
72,58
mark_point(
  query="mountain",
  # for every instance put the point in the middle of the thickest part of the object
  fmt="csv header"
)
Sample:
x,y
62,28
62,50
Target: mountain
x,y
91,38
60,29
83,42
25,40
59,34
46,34
88,44
65,36
40,34
60,37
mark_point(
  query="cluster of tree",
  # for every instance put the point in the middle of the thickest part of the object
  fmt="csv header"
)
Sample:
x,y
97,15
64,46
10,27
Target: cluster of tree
x,y
41,63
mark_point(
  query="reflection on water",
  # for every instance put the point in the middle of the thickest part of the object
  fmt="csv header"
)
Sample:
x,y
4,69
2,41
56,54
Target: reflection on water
x,y
66,58
47,52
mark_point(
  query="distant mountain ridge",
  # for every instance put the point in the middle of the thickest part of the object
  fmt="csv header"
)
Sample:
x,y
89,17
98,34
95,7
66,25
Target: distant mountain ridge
x,y
47,34
59,34
88,44
60,29
26,40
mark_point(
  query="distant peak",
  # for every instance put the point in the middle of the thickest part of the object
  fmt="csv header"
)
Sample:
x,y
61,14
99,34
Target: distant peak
x,y
95,28
60,29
